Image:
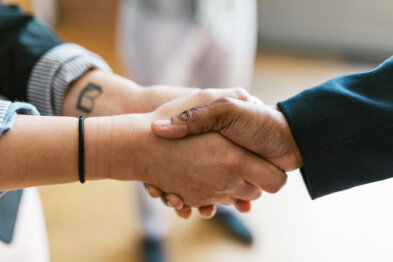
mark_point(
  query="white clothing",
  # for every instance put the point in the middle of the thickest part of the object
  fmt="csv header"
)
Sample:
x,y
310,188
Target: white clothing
x,y
214,49
30,243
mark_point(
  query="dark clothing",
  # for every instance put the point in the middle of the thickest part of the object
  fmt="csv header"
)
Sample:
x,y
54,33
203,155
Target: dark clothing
x,y
9,205
344,130
23,40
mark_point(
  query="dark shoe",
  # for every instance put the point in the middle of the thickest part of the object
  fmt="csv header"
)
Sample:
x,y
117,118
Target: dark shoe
x,y
152,250
233,225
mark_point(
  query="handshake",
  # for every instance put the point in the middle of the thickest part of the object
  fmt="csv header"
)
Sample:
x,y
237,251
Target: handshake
x,y
217,147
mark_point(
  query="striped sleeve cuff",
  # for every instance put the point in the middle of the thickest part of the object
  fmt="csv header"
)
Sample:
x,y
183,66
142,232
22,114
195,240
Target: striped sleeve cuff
x,y
52,75
4,105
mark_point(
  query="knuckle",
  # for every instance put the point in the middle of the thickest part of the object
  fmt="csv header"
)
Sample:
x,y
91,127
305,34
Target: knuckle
x,y
257,194
277,183
228,104
188,115
241,93
206,95
220,186
225,101
232,162
228,201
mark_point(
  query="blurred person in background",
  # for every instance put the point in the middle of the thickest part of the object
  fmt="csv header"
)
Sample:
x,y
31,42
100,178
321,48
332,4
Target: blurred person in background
x,y
202,43
64,79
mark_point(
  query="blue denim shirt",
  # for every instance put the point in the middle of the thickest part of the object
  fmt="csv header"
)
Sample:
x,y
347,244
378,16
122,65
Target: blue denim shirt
x,y
11,110
9,201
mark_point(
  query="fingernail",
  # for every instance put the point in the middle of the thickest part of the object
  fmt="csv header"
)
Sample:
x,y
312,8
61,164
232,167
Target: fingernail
x,y
169,203
163,122
185,209
180,206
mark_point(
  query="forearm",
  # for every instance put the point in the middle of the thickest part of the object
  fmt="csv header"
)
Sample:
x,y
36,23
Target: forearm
x,y
44,150
100,93
39,151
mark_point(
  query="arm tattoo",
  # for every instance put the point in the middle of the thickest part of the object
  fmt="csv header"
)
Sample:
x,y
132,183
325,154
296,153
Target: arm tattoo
x,y
87,97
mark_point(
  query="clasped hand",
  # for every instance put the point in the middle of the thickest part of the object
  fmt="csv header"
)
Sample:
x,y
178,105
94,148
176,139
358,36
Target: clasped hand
x,y
243,148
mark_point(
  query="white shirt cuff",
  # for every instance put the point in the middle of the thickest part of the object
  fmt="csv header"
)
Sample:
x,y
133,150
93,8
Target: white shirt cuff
x,y
53,73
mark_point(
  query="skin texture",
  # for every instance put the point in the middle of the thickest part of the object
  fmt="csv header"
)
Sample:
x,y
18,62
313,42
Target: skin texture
x,y
45,150
119,95
260,129
124,148
240,162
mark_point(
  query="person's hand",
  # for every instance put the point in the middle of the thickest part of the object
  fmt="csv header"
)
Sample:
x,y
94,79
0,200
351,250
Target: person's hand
x,y
172,108
261,129
179,105
185,211
208,95
99,93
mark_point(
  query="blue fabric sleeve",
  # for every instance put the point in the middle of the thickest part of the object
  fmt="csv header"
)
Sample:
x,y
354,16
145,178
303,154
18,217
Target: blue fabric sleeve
x,y
14,109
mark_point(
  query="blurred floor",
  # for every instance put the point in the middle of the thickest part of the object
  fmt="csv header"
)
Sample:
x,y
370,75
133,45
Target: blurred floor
x,y
96,221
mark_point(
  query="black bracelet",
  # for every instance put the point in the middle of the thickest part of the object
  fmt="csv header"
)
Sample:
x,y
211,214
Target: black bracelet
x,y
81,162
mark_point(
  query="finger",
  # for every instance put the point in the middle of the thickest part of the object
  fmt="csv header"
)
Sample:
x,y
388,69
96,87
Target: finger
x,y
177,106
246,191
153,191
255,100
207,212
243,206
174,201
261,173
240,93
210,117
185,212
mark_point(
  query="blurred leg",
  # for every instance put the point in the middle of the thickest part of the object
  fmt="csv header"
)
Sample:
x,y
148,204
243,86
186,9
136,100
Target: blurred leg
x,y
146,44
229,55
30,240
228,61
152,215
46,10
154,226
183,52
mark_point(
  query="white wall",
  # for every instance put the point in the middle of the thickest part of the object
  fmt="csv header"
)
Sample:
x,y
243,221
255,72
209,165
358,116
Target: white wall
x,y
361,28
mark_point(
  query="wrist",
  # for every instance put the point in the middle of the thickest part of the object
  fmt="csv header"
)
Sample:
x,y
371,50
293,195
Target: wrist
x,y
116,147
295,155
96,138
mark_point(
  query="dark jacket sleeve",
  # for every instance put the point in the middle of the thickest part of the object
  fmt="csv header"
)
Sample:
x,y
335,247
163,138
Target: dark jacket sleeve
x,y
344,130
23,40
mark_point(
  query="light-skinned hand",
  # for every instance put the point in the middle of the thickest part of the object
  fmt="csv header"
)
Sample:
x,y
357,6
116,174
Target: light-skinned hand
x,y
258,128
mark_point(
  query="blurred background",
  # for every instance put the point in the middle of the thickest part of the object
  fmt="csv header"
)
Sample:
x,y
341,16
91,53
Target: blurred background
x,y
301,43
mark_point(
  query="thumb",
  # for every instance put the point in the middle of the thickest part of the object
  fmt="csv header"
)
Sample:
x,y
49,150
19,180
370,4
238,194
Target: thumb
x,y
166,129
209,117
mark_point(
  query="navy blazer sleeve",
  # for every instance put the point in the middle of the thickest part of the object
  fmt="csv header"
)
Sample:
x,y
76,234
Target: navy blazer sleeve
x,y
23,40
344,130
